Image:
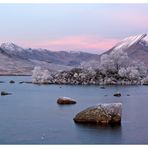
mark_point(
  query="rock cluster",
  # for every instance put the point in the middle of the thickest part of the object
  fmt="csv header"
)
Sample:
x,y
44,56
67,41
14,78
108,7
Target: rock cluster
x,y
102,113
76,76
84,77
88,77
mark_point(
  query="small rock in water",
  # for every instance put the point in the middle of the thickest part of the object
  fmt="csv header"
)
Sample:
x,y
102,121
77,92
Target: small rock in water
x,y
3,93
21,82
102,87
2,82
101,113
128,94
65,100
11,81
117,94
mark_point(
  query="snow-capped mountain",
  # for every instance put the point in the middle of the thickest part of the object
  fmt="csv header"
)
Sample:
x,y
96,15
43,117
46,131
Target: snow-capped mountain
x,y
61,57
129,42
16,58
135,46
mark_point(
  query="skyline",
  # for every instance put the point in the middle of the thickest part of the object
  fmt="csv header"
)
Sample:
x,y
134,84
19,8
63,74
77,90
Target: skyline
x,y
77,27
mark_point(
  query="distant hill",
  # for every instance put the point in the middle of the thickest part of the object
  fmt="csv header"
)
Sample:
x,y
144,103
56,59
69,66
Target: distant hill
x,y
17,60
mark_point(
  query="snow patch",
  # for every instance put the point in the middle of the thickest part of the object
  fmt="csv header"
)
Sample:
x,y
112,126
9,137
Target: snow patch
x,y
11,47
129,41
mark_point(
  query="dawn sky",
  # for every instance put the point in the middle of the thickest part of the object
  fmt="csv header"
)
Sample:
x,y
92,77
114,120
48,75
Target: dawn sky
x,y
77,27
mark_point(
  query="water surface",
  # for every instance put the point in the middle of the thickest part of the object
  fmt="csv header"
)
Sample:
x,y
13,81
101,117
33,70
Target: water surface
x,y
31,115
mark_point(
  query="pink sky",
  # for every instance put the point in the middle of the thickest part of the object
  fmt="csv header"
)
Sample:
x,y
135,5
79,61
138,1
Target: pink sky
x,y
90,27
76,43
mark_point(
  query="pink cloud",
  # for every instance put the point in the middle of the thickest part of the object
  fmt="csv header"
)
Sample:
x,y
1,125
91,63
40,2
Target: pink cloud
x,y
78,43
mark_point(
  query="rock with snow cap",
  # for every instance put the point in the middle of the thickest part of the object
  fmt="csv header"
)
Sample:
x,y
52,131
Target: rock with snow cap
x,y
66,100
101,113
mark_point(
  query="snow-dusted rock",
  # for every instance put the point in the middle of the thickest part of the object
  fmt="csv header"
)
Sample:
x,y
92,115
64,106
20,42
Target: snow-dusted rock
x,y
145,81
65,100
102,113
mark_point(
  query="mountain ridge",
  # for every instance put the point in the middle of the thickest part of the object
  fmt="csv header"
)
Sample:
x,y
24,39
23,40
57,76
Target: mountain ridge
x,y
28,57
14,57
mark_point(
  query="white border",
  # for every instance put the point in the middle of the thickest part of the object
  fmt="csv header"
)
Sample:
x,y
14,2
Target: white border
x,y
73,1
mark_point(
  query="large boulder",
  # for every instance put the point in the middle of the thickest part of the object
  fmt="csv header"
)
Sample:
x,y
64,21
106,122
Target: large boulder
x,y
65,100
101,113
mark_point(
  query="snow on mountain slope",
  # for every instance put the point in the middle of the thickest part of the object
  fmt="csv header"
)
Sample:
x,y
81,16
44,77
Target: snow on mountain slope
x,y
59,57
129,41
144,41
11,47
135,46
14,57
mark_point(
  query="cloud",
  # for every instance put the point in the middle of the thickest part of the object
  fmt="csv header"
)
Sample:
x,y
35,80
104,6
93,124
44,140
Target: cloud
x,y
78,43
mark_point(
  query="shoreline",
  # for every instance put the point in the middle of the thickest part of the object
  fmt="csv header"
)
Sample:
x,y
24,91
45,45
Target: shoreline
x,y
30,82
14,75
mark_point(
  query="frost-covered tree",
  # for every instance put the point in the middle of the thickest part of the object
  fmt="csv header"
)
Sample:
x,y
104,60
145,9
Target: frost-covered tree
x,y
118,65
129,72
40,76
114,61
36,75
90,65
122,72
140,67
114,68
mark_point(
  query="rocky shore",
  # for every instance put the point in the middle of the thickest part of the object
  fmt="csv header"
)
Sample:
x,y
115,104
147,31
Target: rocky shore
x,y
79,76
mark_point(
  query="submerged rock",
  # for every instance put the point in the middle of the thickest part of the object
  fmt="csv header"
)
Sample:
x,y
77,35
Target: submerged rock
x,y
102,87
117,94
65,100
102,113
11,81
21,82
3,93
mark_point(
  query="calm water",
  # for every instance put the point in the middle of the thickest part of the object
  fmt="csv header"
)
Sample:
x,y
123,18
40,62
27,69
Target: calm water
x,y
31,115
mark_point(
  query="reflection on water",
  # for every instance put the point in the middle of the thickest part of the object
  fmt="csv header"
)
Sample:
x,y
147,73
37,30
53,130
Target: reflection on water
x,y
101,134
98,126
31,114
